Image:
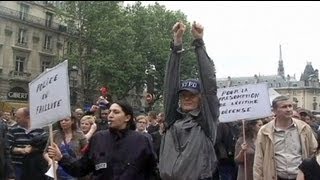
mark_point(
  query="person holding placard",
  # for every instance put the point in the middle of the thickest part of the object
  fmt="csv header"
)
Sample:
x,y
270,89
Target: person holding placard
x,y
187,147
117,153
282,144
70,141
247,146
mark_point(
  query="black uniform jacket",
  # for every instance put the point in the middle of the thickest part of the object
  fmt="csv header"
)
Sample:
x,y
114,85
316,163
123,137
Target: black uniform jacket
x,y
114,155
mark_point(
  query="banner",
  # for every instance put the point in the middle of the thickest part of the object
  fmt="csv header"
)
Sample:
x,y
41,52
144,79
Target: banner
x,y
49,96
245,102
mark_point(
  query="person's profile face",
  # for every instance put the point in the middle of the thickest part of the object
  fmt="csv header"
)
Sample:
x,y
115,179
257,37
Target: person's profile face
x,y
117,118
284,109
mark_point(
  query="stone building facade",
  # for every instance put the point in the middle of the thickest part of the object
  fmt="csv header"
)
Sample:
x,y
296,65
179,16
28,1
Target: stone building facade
x,y
305,92
31,40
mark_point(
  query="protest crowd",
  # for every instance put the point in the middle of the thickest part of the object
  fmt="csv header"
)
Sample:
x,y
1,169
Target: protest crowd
x,y
188,140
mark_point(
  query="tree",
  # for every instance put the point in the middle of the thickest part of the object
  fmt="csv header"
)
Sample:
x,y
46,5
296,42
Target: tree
x,y
115,45
153,25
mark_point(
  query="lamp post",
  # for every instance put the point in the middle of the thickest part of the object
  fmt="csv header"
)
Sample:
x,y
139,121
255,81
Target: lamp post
x,y
150,87
73,75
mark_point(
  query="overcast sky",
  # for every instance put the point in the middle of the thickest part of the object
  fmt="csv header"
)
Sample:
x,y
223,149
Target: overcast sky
x,y
243,38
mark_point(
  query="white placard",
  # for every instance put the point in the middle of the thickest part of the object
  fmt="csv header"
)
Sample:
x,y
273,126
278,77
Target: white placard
x,y
273,94
49,96
246,102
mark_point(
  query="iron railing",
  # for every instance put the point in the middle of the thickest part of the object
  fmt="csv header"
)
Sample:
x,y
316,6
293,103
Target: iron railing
x,y
34,19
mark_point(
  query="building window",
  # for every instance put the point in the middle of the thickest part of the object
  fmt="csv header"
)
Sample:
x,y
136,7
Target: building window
x,y
22,37
20,63
279,85
24,9
47,42
270,84
49,17
314,105
45,64
314,99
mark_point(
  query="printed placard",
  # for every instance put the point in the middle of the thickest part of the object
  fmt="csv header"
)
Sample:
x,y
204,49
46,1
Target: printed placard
x,y
49,96
244,102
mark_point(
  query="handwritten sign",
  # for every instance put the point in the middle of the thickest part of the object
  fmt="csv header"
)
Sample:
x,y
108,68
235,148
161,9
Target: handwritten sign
x,y
244,102
49,96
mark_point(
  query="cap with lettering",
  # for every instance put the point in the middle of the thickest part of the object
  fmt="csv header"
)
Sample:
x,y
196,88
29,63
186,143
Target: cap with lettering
x,y
191,85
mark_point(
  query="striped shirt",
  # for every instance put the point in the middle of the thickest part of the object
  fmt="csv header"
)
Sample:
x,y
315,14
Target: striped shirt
x,y
19,137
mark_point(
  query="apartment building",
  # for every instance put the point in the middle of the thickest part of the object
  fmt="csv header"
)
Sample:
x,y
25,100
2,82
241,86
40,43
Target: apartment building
x,y
31,39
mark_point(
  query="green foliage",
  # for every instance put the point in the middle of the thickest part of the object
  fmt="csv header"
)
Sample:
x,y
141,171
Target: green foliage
x,y
126,41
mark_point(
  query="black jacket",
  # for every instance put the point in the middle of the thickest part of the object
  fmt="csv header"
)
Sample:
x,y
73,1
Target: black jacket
x,y
123,155
6,168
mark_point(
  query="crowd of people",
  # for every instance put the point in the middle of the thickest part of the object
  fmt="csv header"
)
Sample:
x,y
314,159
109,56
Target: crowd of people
x,y
185,141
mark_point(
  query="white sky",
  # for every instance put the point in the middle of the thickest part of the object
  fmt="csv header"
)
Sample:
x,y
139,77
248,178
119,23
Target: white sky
x,y
243,37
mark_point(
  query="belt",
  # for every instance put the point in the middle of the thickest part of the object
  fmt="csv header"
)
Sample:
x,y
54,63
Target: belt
x,y
280,178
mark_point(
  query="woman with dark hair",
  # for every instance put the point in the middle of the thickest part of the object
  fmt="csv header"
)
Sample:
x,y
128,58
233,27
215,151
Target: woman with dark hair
x,y
117,153
70,141
309,169
247,147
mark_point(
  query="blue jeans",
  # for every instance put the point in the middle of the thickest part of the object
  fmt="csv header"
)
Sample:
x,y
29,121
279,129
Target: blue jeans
x,y
228,172
18,172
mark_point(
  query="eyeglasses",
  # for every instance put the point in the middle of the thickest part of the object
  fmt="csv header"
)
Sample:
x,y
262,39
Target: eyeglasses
x,y
142,122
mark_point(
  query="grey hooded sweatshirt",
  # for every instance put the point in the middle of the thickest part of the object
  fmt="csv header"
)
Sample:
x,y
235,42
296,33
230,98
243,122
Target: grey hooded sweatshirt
x,y
187,147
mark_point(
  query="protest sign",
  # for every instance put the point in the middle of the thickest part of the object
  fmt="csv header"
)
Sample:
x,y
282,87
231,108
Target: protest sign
x,y
273,94
244,102
49,96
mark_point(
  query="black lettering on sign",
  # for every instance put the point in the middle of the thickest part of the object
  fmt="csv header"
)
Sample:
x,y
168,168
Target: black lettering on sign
x,y
48,106
46,82
236,110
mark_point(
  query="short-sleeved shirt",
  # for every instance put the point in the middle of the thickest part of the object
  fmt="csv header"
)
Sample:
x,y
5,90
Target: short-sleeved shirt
x,y
310,169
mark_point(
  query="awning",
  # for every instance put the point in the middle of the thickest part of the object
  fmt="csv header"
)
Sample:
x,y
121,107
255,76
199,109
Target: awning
x,y
12,106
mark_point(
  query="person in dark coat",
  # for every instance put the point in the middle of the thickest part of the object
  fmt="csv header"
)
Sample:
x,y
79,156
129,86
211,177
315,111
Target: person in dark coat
x,y
118,153
191,114
6,167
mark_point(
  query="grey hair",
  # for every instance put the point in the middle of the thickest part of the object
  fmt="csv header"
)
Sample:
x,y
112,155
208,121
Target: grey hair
x,y
277,99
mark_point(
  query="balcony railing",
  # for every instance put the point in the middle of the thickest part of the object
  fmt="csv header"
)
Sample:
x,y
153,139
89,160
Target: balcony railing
x,y
47,50
33,19
17,75
22,44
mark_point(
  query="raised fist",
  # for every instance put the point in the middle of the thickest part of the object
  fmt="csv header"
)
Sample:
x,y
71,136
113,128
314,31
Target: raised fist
x,y
178,31
197,30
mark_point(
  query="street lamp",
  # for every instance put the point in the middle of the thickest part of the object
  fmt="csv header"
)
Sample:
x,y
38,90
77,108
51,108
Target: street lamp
x,y
150,72
73,75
